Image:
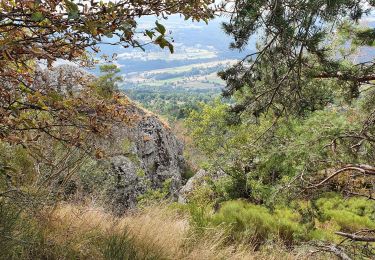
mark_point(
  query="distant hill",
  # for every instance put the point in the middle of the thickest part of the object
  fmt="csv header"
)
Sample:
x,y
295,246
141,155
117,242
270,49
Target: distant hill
x,y
194,42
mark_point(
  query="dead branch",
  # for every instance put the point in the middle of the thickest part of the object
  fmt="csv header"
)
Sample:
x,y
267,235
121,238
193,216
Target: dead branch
x,y
355,237
337,251
365,169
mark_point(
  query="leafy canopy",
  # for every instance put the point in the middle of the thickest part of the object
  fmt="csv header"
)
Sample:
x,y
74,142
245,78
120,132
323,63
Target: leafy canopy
x,y
33,31
297,53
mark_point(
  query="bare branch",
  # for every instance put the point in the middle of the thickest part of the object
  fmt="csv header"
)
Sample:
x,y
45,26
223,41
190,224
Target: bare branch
x,y
365,169
356,237
336,251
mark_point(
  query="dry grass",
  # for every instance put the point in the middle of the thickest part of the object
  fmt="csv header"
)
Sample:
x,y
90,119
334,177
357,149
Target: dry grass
x,y
157,231
76,228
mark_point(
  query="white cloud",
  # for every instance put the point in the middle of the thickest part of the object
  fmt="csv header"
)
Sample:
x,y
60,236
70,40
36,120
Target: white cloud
x,y
184,53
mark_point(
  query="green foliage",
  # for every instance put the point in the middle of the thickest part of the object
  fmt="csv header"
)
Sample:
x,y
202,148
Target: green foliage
x,y
228,188
199,216
349,215
127,145
173,103
152,195
245,220
208,126
296,65
359,35
93,178
187,173
252,223
231,148
291,224
264,156
107,83
141,173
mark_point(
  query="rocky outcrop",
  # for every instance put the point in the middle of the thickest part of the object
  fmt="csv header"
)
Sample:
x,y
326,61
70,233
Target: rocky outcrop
x,y
143,155
66,79
147,155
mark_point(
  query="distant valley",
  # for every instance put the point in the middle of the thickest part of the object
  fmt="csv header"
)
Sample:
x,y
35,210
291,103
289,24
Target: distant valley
x,y
174,84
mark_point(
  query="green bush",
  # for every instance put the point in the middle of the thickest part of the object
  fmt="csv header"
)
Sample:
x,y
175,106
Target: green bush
x,y
246,221
199,215
350,215
257,224
289,226
152,196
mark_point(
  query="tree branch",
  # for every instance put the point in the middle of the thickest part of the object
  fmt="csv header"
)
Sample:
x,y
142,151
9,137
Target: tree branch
x,y
365,169
344,77
356,237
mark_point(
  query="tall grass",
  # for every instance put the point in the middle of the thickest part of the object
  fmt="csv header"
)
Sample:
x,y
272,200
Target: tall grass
x,y
87,232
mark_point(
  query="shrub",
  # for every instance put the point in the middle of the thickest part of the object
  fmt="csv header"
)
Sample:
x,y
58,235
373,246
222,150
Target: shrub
x,y
350,215
289,227
199,216
246,221
152,196
257,224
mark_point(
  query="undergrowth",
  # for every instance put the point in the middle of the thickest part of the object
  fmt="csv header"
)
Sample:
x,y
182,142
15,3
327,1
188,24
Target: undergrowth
x,y
164,232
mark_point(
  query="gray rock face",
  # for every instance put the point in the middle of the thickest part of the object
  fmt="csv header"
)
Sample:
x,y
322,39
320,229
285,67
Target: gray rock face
x,y
147,154
144,155
190,186
66,79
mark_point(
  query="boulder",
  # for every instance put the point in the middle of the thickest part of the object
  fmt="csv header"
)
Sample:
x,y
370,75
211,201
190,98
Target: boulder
x,y
201,178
